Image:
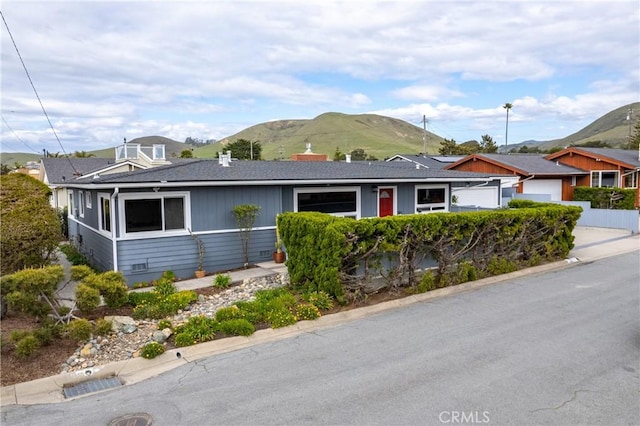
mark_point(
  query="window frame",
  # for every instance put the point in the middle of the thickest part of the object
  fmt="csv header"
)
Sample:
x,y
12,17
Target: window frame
x,y
599,173
81,202
315,190
101,218
122,219
71,209
633,177
432,207
88,201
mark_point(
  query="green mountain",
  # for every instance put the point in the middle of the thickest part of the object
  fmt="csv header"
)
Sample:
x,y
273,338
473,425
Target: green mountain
x,y
612,128
377,135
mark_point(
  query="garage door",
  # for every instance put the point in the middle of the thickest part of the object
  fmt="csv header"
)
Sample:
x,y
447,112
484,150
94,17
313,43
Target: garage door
x,y
480,197
552,187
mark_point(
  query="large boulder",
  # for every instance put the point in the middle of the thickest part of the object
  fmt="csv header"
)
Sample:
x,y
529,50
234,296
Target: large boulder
x,y
122,324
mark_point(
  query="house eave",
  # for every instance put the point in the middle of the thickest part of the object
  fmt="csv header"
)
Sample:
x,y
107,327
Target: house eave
x,y
130,185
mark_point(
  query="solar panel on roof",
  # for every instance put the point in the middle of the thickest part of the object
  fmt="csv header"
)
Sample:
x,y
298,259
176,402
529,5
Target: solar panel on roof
x,y
448,159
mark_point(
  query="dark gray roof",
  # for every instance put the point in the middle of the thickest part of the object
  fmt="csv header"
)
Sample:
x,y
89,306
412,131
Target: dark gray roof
x,y
294,171
629,156
431,161
60,170
533,164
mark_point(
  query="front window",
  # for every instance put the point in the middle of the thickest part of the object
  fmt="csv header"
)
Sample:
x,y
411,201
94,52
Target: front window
x,y
342,201
605,178
157,213
72,212
431,198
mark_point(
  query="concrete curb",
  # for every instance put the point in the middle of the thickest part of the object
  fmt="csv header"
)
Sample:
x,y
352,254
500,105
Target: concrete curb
x,y
49,389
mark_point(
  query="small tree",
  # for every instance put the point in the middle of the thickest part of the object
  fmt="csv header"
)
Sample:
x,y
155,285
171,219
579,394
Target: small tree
x,y
246,215
30,227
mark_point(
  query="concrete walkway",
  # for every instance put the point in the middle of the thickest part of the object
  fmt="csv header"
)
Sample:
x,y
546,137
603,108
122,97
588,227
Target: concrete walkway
x,y
590,244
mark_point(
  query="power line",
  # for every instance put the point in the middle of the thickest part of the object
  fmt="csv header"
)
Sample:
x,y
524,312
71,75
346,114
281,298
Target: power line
x,y
36,92
18,137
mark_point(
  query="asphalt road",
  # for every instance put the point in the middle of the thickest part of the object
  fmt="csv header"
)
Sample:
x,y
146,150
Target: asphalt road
x,y
557,348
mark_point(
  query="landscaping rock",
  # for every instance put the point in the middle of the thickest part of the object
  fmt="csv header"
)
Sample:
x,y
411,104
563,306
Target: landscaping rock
x,y
122,324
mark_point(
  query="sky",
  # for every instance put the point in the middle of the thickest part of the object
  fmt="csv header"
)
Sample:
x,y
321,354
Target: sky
x,y
108,70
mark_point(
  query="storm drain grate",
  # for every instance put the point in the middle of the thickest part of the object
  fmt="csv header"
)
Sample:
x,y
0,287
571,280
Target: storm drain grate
x,y
91,386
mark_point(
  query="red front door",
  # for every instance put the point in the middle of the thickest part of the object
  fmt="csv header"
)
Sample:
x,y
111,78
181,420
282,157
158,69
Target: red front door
x,y
385,202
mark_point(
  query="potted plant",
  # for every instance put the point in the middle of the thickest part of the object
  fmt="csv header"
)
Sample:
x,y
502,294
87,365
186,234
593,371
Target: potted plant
x,y
278,256
199,273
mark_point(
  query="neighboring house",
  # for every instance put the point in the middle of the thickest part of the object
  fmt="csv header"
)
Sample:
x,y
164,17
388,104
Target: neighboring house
x,y
139,222
536,175
56,172
606,167
477,194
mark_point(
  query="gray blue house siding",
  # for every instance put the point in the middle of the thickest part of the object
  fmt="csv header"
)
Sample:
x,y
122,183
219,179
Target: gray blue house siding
x,y
157,239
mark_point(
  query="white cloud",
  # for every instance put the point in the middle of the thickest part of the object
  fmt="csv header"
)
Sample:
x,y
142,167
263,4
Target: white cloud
x,y
108,69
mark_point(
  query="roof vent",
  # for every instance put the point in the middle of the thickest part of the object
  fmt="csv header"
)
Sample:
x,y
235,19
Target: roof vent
x,y
417,166
347,158
225,159
308,145
220,155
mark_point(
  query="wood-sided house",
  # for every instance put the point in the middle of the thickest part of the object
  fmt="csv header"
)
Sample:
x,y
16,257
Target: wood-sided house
x,y
605,167
138,222
536,174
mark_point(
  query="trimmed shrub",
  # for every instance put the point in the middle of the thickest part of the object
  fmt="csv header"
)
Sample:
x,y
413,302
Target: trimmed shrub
x,y
236,327
27,346
151,350
80,329
22,289
87,298
199,328
606,198
79,272
102,327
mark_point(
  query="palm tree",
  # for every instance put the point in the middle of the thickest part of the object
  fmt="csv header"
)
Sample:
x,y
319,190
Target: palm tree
x,y
507,106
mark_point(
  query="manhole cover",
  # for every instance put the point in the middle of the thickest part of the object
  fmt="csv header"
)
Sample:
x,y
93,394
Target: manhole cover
x,y
137,419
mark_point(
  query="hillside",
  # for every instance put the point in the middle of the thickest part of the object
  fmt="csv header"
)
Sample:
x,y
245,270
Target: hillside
x,y
612,128
378,135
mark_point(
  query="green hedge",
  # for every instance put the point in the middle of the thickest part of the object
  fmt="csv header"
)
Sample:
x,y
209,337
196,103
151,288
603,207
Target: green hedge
x,y
340,256
606,198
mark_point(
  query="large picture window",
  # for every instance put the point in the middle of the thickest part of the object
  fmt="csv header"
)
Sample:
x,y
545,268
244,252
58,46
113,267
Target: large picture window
x,y
343,201
605,178
431,198
159,213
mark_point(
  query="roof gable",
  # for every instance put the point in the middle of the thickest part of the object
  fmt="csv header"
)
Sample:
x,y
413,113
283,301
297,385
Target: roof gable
x,y
626,158
522,164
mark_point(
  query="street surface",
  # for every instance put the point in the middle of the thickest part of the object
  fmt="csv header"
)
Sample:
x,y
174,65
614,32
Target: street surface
x,y
557,348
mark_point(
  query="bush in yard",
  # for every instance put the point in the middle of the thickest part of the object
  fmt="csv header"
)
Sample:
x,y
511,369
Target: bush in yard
x,y
79,272
164,323
112,287
27,346
87,298
30,227
307,311
199,329
236,327
73,255
156,306
184,339
222,281
319,299
102,327
228,313
278,318
151,350
79,329
24,289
